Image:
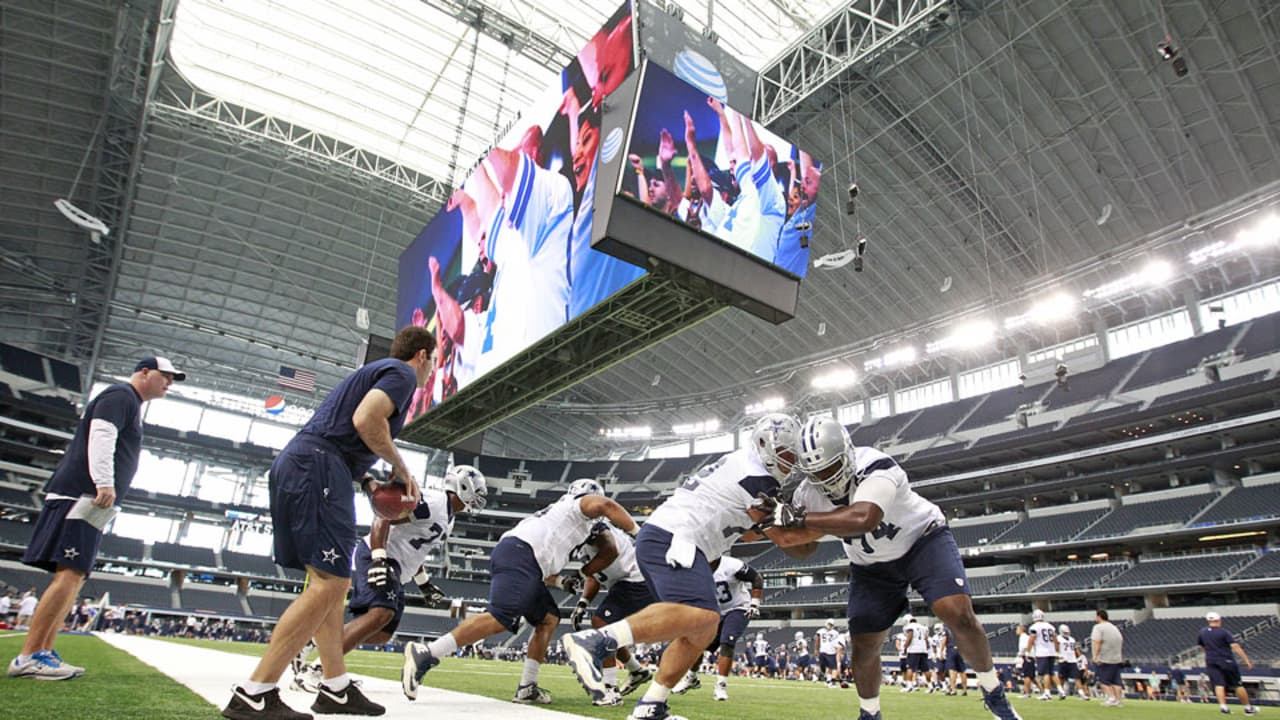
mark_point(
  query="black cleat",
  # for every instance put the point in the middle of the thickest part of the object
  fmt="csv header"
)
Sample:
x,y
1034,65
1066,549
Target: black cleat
x,y
348,702
267,706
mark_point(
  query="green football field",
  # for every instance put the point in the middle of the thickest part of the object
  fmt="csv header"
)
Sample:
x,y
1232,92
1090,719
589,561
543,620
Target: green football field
x,y
119,686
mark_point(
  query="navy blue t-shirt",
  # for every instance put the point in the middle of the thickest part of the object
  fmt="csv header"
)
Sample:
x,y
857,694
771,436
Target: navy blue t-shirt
x,y
1217,642
121,406
332,419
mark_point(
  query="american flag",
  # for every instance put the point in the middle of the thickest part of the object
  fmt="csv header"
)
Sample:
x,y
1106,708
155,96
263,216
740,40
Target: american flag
x,y
295,379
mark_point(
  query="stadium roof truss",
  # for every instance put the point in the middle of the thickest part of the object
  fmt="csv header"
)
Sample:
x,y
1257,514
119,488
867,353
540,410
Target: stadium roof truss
x,y
260,174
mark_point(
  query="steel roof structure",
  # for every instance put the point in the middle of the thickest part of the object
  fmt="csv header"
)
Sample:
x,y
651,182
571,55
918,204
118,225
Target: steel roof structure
x,y
260,173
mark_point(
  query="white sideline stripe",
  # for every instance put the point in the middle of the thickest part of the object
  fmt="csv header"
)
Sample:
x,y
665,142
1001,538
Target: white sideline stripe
x,y
211,673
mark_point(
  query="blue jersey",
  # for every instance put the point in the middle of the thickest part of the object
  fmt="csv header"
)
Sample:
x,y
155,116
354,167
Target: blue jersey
x,y
332,420
121,406
1217,642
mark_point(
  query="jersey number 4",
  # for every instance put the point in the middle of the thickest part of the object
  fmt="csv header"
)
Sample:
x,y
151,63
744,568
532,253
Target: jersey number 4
x,y
886,530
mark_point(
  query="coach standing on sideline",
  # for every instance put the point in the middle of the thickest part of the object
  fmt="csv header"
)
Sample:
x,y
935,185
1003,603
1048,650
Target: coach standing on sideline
x,y
1220,663
312,487
80,499
1108,654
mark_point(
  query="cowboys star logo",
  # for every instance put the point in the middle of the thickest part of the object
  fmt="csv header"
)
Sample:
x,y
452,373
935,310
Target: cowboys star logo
x,y
70,553
331,555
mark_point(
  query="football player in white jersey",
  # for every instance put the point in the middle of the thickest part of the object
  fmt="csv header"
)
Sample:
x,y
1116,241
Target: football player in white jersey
x,y
738,590
954,665
700,522
917,636
609,563
937,657
1068,665
391,555
760,655
800,655
900,644
1026,659
1044,640
526,561
894,538
827,640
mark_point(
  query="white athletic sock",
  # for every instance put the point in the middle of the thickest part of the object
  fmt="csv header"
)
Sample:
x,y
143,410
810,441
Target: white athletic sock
x,y
870,705
633,665
1224,707
987,680
256,688
530,674
657,692
339,683
611,676
620,631
722,680
443,646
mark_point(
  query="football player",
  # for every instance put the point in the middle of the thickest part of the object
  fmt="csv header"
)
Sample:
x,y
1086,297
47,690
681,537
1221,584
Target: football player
x,y
700,522
894,538
827,640
800,650
609,563
526,561
1068,665
1044,641
391,555
917,640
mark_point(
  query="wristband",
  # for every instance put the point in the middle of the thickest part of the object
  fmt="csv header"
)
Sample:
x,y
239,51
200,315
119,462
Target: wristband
x,y
378,553
582,604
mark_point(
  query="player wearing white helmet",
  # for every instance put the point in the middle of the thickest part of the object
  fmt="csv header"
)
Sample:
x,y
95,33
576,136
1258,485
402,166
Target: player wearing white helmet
x,y
827,640
392,554
894,539
700,522
917,644
1044,639
953,664
800,654
937,657
527,559
609,563
1068,665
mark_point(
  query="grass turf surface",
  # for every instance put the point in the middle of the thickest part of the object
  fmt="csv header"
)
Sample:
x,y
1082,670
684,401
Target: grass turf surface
x,y
117,685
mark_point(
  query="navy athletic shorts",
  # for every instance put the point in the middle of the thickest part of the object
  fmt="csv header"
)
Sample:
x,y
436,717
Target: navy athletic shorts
x,y
878,592
1225,675
313,512
517,588
732,625
694,586
623,600
364,597
59,540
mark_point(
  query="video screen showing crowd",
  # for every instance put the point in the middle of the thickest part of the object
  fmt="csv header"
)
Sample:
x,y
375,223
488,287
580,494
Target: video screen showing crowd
x,y
508,260
699,161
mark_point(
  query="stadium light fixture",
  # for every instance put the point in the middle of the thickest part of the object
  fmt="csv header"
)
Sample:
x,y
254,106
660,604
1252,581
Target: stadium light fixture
x,y
696,428
904,355
1153,274
834,379
767,405
1266,232
1056,307
967,335
636,432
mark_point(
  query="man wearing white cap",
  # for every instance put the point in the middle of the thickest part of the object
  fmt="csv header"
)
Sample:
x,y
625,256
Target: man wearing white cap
x,y
1220,649
80,497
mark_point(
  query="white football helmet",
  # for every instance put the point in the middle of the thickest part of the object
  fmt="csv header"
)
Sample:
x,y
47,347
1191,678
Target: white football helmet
x,y
775,435
1064,630
799,635
908,619
759,636
831,623
1037,615
584,486
823,455
469,485
938,628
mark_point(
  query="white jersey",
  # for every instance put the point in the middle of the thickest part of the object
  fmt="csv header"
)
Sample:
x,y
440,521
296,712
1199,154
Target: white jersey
x,y
828,641
801,647
553,532
409,542
1067,649
733,586
936,649
900,642
919,637
762,646
5,603
710,508
623,568
27,605
878,480
1044,635
1024,645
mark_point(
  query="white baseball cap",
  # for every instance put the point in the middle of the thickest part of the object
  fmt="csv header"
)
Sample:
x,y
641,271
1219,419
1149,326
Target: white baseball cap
x,y
1212,616
162,364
